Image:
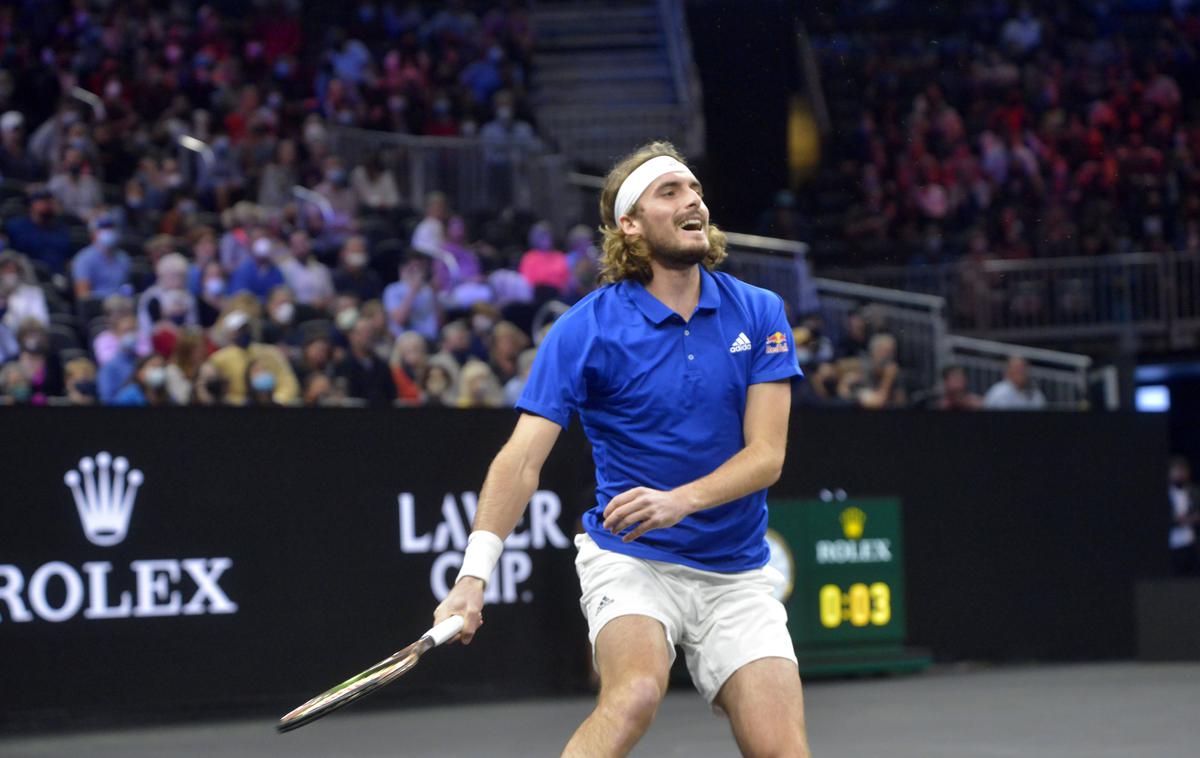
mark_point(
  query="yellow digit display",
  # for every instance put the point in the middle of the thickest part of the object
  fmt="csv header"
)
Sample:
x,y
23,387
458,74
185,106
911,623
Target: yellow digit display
x,y
861,605
831,606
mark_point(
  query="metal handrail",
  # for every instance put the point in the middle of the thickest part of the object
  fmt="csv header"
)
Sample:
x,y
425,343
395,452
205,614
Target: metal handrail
x,y
1073,360
883,294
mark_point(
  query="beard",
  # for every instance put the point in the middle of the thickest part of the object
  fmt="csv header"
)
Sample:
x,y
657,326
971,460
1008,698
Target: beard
x,y
669,252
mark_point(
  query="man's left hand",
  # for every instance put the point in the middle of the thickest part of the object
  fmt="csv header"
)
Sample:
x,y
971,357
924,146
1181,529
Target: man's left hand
x,y
649,509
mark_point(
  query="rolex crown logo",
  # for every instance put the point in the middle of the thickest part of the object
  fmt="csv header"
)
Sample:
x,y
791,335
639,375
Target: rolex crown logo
x,y
104,489
853,521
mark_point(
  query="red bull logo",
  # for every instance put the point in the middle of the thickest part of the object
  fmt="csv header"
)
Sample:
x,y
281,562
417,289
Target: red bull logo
x,y
777,343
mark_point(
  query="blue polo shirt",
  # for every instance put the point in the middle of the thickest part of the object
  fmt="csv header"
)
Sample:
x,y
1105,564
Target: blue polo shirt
x,y
662,401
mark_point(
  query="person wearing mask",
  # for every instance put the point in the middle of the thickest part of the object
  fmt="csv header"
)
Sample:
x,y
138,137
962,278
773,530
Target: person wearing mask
x,y
169,286
102,268
258,274
42,234
75,185
211,299
204,251
411,303
79,380
375,184
41,369
353,273
147,386
309,279
183,368
279,326
363,375
231,361
20,296
115,373
260,381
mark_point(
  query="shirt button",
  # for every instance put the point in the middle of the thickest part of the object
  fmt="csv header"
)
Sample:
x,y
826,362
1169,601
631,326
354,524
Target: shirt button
x,y
691,357
687,333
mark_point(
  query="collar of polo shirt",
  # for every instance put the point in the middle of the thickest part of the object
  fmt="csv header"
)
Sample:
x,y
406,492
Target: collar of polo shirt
x,y
658,312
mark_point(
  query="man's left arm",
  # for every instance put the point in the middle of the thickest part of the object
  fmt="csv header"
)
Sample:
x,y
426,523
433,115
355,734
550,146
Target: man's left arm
x,y
754,467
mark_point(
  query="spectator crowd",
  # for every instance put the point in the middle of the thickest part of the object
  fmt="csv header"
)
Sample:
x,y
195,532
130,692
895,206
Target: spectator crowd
x,y
178,228
998,129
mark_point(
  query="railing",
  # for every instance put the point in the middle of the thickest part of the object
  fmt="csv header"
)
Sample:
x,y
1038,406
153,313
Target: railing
x,y
477,174
916,321
1064,378
1059,298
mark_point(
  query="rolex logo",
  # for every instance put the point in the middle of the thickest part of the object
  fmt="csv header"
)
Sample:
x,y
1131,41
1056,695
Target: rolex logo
x,y
104,489
853,520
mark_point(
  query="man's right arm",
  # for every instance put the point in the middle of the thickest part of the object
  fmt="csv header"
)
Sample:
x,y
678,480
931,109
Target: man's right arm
x,y
511,481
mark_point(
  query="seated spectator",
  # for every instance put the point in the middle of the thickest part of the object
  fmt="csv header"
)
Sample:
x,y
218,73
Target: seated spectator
x,y
516,385
883,384
75,186
373,313
409,359
236,330
260,380
316,357
457,344
211,300
465,269
20,296
41,370
79,380
279,324
375,184
240,222
41,235
853,341
478,387
116,371
221,180
335,188
203,243
362,374
258,274
429,236
353,274
170,287
542,265
956,392
279,176
507,343
146,386
17,164
310,280
105,343
102,268
183,368
1016,391
410,303
439,386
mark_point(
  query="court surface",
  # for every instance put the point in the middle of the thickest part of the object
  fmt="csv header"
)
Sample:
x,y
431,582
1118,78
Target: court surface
x,y
1122,710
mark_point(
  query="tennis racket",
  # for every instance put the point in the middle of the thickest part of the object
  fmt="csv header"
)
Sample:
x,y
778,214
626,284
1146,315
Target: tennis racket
x,y
382,673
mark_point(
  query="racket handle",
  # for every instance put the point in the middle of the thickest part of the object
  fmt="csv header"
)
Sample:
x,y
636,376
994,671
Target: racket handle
x,y
445,630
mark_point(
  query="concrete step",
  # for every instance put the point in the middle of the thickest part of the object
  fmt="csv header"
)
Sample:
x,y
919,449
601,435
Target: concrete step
x,y
599,41
650,92
569,75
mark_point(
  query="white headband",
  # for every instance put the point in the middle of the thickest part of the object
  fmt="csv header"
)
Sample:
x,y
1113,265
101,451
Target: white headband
x,y
641,178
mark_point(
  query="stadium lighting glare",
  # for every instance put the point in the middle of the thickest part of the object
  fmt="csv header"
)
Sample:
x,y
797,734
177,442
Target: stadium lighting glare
x,y
1153,398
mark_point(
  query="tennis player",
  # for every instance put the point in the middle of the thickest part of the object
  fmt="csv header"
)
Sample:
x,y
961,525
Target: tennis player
x,y
681,379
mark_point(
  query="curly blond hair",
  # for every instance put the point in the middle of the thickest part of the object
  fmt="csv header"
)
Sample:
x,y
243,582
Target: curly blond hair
x,y
628,257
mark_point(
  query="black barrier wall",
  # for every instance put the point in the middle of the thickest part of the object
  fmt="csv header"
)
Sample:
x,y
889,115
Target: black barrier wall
x,y
162,560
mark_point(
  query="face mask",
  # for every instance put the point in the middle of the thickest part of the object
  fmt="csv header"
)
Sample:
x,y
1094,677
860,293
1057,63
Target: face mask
x,y
215,387
213,287
10,281
481,323
21,393
345,319
262,248
156,376
107,238
356,260
86,387
803,355
128,342
284,312
33,345
336,176
263,382
504,113
242,339
178,320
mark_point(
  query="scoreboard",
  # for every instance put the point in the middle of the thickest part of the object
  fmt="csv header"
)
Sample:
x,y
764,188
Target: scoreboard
x,y
844,564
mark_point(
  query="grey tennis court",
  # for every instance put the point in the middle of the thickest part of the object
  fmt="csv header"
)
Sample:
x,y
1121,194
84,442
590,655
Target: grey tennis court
x,y
1093,711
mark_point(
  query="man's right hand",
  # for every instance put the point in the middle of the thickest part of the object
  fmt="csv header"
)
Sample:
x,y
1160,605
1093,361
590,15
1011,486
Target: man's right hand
x,y
466,600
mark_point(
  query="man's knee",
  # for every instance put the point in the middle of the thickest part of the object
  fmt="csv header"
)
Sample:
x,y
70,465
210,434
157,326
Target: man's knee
x,y
633,700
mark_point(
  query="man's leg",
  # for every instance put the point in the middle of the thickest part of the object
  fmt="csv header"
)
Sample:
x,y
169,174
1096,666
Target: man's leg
x,y
634,662
766,709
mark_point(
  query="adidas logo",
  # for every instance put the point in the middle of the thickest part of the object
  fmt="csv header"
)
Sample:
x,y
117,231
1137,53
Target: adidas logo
x,y
605,601
105,500
741,343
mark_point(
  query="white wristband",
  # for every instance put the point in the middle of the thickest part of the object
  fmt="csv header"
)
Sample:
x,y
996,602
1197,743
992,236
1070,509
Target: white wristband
x,y
479,560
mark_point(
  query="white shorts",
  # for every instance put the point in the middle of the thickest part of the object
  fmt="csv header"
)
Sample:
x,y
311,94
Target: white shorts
x,y
722,621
